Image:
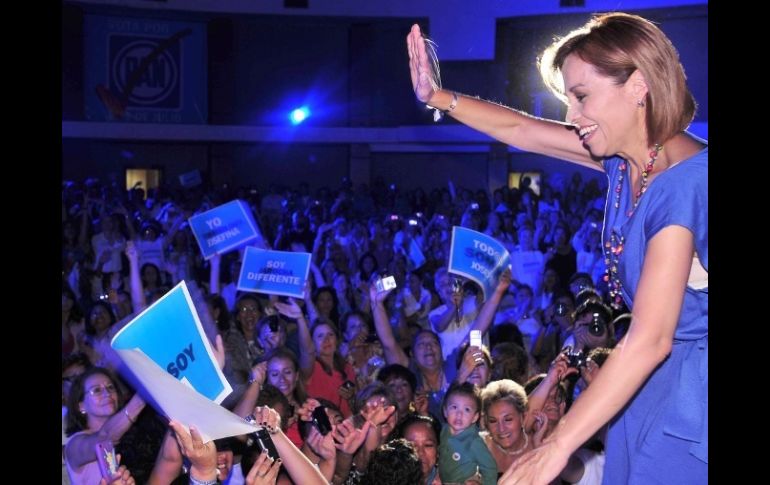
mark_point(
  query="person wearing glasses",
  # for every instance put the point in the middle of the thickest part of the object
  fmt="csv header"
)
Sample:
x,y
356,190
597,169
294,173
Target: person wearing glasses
x,y
96,413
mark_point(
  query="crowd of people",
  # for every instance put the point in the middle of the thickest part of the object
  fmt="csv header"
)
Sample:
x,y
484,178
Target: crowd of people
x,y
357,385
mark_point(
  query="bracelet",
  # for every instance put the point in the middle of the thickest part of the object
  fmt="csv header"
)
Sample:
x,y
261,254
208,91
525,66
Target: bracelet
x,y
438,114
130,420
195,481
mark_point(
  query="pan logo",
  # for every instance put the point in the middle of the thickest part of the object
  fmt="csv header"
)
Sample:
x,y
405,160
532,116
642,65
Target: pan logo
x,y
145,71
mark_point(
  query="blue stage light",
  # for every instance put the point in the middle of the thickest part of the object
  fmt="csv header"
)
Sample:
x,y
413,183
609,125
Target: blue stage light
x,y
299,115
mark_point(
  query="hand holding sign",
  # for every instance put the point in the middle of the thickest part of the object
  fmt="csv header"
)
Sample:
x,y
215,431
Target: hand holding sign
x,y
478,257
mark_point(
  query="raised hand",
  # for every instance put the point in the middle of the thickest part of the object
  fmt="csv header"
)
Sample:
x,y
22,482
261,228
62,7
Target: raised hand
x,y
219,351
420,68
348,438
202,456
421,402
541,426
291,309
378,296
264,471
321,445
377,412
305,412
504,282
259,372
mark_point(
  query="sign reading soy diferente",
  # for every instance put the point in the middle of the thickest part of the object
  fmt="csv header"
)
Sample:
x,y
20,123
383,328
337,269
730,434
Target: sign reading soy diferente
x,y
224,228
478,257
274,272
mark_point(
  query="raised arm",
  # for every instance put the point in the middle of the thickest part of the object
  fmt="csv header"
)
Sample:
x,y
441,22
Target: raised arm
x,y
306,345
507,125
300,468
168,464
394,354
138,299
80,449
488,309
215,263
657,304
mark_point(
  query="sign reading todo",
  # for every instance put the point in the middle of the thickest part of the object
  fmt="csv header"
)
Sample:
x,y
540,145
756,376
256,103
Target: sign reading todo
x,y
478,257
224,228
274,272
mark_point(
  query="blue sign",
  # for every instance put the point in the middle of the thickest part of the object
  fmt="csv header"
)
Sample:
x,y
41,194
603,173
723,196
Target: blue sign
x,y
224,227
274,272
145,70
416,258
478,257
171,335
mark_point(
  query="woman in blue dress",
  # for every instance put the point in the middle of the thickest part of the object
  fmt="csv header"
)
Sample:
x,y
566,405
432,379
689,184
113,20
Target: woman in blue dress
x,y
628,107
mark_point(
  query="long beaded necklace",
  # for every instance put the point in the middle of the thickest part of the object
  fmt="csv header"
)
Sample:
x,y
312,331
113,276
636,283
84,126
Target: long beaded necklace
x,y
516,451
614,247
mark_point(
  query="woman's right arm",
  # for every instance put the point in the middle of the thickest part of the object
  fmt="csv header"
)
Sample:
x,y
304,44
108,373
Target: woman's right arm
x,y
394,354
507,125
81,449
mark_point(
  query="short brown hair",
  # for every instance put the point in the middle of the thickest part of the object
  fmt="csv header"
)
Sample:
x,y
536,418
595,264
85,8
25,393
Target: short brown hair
x,y
617,44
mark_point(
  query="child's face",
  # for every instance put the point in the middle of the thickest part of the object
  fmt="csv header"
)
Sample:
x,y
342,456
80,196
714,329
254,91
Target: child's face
x,y
460,412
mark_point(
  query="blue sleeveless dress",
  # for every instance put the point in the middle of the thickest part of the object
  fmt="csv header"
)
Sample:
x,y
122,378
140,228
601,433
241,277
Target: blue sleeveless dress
x,y
661,436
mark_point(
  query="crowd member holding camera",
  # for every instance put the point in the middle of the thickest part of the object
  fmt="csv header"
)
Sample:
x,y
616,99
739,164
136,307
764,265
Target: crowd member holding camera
x,y
360,347
592,328
96,413
557,327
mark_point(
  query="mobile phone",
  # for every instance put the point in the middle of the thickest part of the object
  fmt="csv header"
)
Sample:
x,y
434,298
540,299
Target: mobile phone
x,y
386,283
441,217
476,338
262,440
321,420
394,217
108,462
412,222
418,214
475,206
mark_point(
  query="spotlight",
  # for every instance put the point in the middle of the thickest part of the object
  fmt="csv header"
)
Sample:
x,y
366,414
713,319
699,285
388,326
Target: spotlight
x,y
299,115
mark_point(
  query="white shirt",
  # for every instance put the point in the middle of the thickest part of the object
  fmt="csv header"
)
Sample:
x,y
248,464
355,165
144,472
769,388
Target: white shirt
x,y
455,333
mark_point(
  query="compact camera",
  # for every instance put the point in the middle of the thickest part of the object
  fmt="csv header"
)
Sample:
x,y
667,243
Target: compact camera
x,y
576,359
600,317
384,284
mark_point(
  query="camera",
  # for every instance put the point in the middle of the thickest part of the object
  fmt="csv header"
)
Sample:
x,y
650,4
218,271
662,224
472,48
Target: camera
x,y
321,420
273,323
598,325
261,439
600,317
385,283
576,359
